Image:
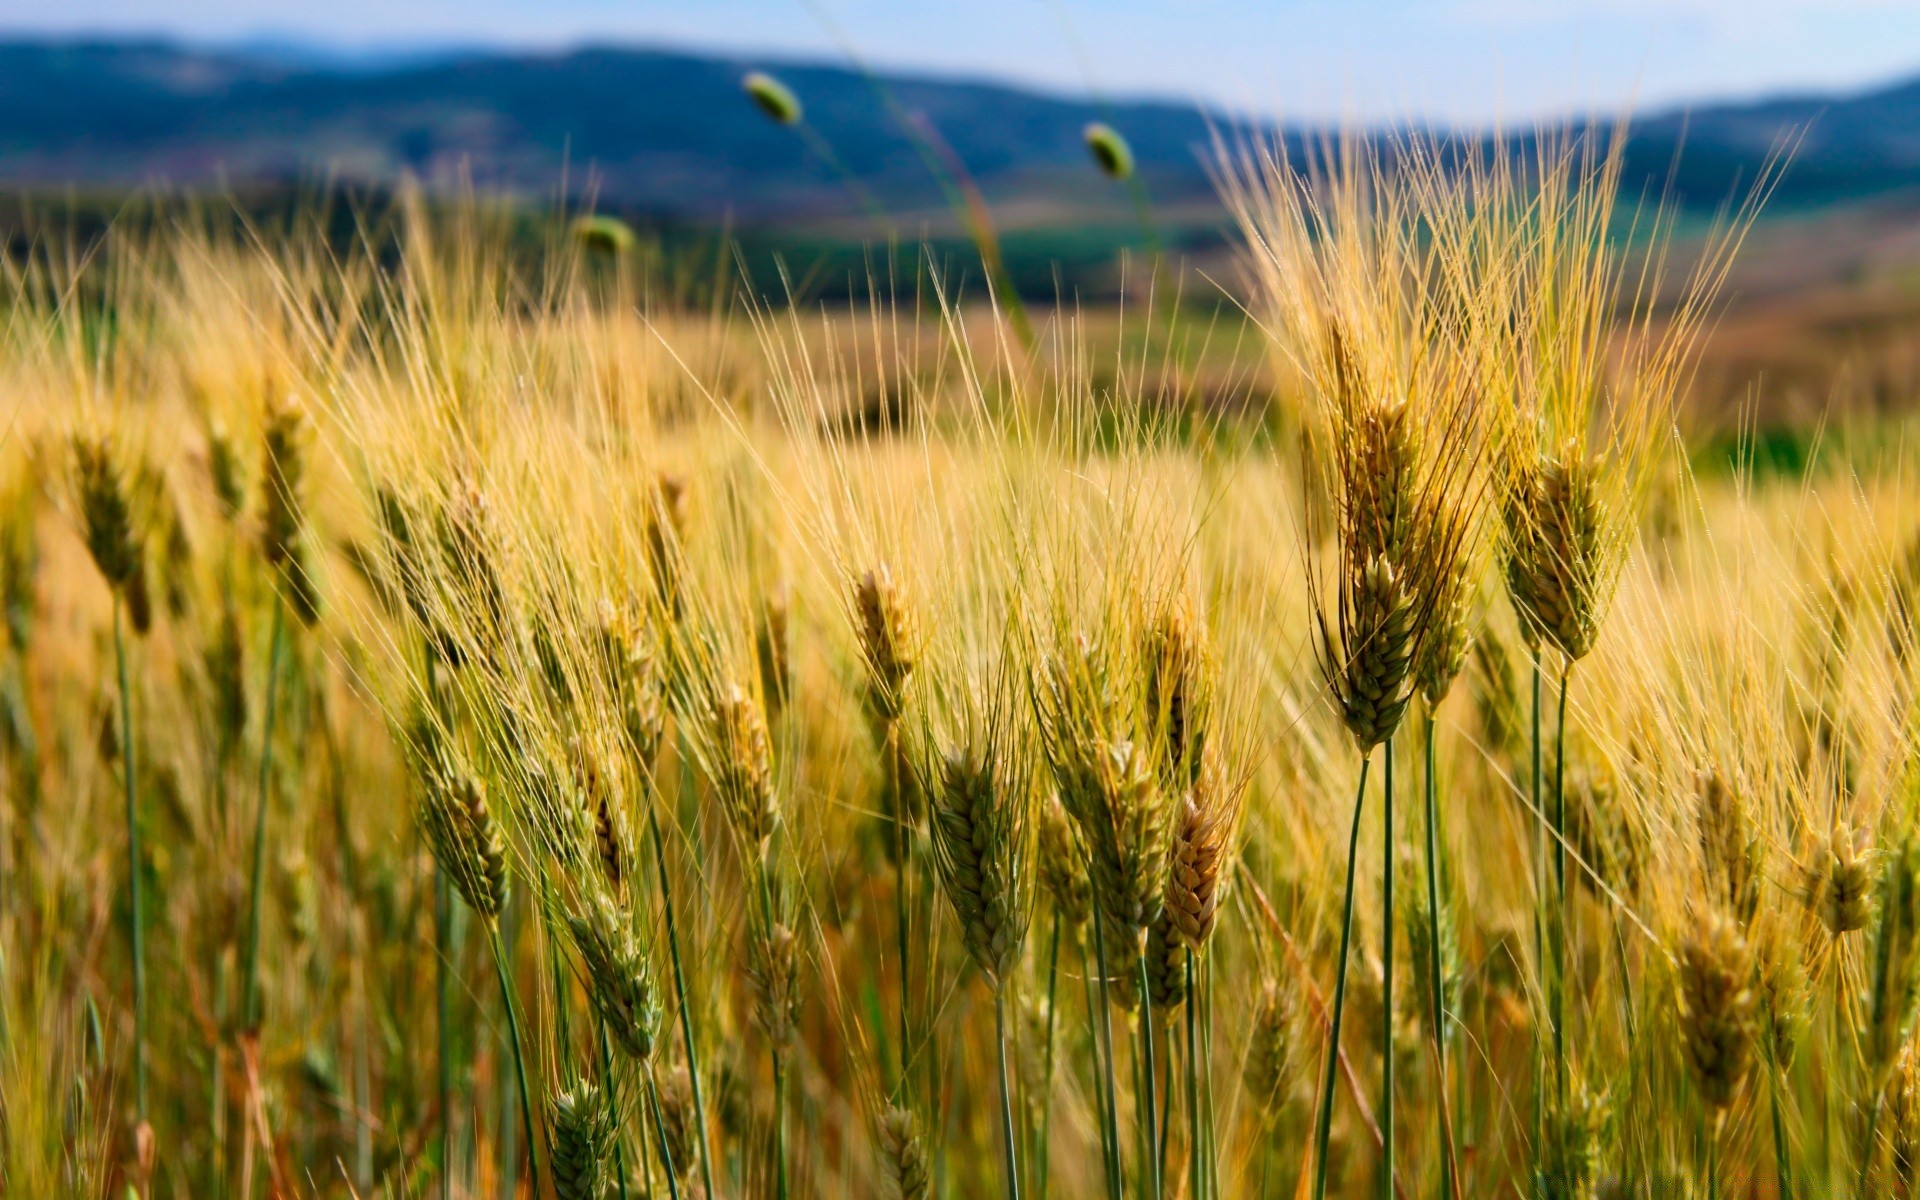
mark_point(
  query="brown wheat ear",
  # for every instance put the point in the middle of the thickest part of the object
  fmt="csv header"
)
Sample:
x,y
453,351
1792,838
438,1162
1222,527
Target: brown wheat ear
x,y
980,842
287,439
903,1156
1556,527
887,642
465,840
773,977
106,512
1729,848
1717,1006
1197,865
1838,886
743,768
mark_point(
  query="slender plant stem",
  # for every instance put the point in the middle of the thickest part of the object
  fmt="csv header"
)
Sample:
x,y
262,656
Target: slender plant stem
x,y
1323,1125
1868,1144
1149,1086
1541,902
1563,901
680,994
1782,1171
1116,1183
250,1009
519,1054
1107,1149
1044,1149
1196,1160
1386,973
902,844
619,1142
1006,1094
1435,973
660,1132
443,954
780,1126
136,890
1206,1080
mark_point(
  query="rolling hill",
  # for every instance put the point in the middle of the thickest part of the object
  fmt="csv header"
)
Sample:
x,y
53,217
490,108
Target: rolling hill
x,y
670,134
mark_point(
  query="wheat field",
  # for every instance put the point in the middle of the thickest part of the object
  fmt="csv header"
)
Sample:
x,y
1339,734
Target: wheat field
x,y
477,727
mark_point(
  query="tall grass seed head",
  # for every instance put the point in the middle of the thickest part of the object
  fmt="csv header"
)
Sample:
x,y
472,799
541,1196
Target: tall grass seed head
x,y
619,980
104,494
1556,518
1729,847
1838,881
1110,151
677,1121
465,839
581,1134
981,827
773,98
773,978
1895,968
1443,652
1062,866
226,471
1178,693
1203,830
285,440
742,765
887,635
665,531
1370,663
773,648
1717,1006
600,234
1271,1060
903,1155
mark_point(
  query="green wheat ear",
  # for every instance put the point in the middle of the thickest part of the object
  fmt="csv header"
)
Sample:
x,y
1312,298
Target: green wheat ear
x,y
772,97
1110,151
603,235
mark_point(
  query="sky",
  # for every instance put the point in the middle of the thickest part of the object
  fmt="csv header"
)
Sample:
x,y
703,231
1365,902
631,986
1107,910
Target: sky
x,y
1471,61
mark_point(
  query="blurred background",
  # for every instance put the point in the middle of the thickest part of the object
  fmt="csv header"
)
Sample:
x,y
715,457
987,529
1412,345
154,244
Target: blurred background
x,y
118,110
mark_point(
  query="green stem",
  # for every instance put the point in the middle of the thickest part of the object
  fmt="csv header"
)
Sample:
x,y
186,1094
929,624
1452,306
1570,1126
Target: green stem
x,y
619,1142
1563,901
902,842
1196,1144
1435,973
1323,1124
1006,1094
660,1131
1149,1085
1869,1146
1539,934
1783,1174
1116,1183
779,1126
519,1054
1044,1150
680,994
1386,972
250,1009
136,890
443,954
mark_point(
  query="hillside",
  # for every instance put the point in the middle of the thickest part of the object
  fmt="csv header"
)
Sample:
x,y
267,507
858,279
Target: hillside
x,y
669,133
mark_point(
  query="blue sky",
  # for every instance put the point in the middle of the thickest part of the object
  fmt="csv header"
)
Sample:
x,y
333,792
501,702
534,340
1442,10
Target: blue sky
x,y
1470,60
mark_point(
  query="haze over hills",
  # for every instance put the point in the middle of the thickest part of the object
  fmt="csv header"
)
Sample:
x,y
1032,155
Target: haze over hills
x,y
669,133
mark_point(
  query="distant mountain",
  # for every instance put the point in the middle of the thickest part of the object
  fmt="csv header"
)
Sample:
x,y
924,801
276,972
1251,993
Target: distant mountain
x,y
670,133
